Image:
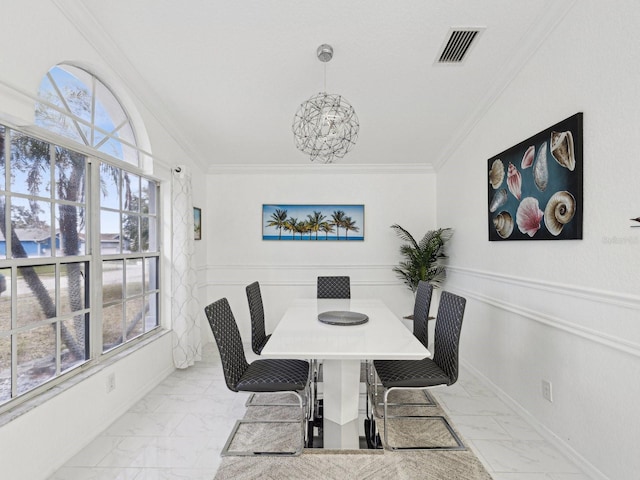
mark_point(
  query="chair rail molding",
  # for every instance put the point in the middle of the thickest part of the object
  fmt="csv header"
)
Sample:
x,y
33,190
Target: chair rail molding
x,y
602,338
323,266
563,304
299,275
599,295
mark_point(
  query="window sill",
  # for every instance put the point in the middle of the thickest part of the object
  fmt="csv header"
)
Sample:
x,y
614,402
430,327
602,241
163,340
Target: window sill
x,y
77,378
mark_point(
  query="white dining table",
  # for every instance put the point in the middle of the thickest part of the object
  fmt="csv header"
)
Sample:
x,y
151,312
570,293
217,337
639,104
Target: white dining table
x,y
300,335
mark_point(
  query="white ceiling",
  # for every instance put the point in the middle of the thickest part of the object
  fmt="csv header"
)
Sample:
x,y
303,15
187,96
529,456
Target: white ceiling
x,y
226,76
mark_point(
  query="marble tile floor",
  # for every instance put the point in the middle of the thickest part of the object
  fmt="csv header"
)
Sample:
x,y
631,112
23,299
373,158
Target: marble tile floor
x,y
178,430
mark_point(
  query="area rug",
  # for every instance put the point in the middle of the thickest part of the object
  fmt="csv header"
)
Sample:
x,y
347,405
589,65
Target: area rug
x,y
325,464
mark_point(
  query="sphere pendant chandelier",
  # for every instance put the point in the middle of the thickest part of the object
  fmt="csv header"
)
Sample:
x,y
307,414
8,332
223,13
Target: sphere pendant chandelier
x,y
326,125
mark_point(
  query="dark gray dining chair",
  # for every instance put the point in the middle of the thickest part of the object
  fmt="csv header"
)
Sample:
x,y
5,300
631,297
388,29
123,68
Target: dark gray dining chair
x,y
266,376
259,337
421,306
441,370
334,287
421,318
328,287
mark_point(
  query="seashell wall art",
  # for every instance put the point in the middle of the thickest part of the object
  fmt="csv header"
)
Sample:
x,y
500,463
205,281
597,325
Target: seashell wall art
x,y
535,187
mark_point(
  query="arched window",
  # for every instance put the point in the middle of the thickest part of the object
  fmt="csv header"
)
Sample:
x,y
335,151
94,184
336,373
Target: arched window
x,y
77,105
79,266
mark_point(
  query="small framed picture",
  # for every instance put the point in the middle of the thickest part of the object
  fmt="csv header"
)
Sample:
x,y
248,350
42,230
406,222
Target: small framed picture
x,y
197,223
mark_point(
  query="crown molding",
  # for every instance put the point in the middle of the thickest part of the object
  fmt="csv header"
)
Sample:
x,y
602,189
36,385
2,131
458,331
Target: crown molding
x,y
89,28
331,169
531,41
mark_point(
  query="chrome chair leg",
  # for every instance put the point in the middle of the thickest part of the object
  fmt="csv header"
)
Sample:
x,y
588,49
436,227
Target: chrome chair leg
x,y
459,445
226,450
251,403
376,403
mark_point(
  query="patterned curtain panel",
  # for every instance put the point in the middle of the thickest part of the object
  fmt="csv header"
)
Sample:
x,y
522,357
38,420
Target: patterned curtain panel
x,y
187,345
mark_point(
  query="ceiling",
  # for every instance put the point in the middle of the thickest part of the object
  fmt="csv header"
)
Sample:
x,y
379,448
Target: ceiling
x,y
227,76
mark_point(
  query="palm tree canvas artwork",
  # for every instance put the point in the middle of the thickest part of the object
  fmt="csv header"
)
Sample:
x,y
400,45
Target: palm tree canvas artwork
x,y
313,222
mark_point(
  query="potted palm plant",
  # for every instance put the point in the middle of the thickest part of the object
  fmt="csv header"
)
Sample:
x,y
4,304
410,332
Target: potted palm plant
x,y
424,259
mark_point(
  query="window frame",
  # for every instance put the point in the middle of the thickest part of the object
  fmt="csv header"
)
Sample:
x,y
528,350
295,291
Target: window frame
x,y
92,259
126,256
90,124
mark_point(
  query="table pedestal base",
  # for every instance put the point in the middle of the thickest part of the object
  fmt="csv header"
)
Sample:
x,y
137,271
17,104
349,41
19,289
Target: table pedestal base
x,y
343,437
341,380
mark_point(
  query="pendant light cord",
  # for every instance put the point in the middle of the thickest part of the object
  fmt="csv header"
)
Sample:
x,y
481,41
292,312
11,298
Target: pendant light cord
x,y
325,77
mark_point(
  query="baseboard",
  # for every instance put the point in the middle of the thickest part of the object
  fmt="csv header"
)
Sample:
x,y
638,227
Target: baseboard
x,y
116,412
547,434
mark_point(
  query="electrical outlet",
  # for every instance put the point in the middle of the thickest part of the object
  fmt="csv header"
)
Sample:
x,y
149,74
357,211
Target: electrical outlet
x,y
111,382
546,390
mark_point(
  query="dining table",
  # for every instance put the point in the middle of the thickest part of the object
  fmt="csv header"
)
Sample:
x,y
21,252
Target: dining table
x,y
376,334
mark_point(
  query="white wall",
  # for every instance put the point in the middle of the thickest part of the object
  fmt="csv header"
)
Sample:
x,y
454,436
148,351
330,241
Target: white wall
x,y
38,442
288,269
35,36
565,311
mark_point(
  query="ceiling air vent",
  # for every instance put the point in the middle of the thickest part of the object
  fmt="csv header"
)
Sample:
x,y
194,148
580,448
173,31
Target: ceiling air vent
x,y
458,44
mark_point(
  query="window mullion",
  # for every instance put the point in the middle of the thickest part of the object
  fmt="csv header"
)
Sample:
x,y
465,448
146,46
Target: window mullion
x,y
95,270
14,340
93,111
112,135
58,297
8,141
66,105
52,196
